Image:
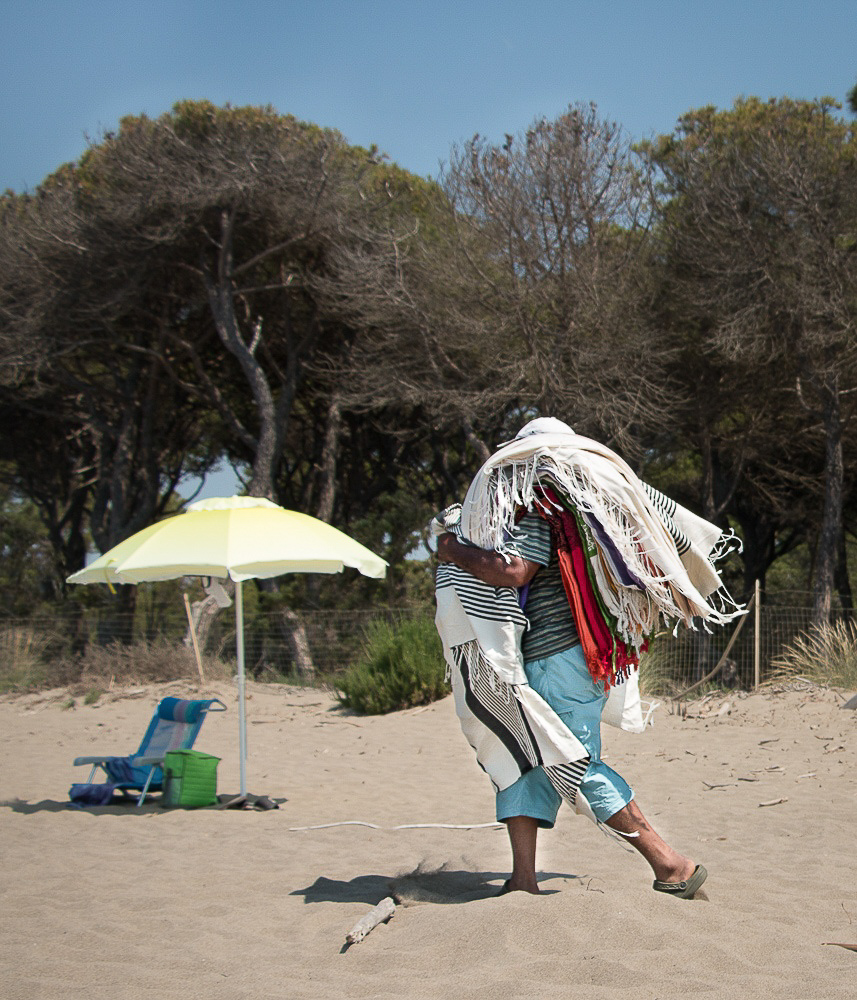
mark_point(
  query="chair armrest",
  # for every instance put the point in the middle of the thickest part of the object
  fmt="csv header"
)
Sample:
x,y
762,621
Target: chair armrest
x,y
144,761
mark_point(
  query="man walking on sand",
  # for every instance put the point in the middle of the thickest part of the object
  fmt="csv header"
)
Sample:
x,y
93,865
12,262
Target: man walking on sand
x,y
561,653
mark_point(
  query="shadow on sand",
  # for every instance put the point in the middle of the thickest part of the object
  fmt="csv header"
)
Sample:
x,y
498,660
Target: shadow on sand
x,y
117,808
127,806
423,885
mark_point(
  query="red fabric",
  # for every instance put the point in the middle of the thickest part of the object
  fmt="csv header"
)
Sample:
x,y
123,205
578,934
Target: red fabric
x,y
606,656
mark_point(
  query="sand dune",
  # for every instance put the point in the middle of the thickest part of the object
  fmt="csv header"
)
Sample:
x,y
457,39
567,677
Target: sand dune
x,y
125,902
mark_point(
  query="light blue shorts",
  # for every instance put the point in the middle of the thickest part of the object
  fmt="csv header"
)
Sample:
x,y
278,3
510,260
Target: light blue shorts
x,y
567,686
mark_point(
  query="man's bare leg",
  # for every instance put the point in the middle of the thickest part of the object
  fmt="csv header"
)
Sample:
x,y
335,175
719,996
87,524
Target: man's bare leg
x,y
523,831
667,864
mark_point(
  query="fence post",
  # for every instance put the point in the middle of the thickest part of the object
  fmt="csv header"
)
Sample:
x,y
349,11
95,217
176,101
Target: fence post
x,y
757,666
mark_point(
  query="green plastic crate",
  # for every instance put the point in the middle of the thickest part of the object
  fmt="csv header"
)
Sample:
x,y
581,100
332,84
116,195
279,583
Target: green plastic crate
x,y
190,779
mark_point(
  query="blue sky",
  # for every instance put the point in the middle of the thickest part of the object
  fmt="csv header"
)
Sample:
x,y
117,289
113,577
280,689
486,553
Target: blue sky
x,y
411,77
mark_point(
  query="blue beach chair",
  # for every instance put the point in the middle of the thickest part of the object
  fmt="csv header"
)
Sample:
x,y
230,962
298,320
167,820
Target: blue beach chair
x,y
174,726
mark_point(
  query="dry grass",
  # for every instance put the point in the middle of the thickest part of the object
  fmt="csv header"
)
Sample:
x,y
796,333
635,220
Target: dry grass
x,y
657,679
27,664
825,654
23,659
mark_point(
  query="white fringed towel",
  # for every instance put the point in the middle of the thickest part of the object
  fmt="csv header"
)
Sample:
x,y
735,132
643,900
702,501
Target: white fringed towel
x,y
668,550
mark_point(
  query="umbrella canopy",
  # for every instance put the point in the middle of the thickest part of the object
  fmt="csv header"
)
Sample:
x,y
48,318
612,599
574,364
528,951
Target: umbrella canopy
x,y
237,537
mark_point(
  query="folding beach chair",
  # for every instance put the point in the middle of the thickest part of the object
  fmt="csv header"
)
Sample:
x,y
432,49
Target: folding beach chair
x,y
174,726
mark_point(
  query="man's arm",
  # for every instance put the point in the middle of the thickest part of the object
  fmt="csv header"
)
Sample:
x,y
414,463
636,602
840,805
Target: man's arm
x,y
485,564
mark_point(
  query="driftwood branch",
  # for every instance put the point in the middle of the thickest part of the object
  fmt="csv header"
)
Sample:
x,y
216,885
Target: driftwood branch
x,y
377,915
192,630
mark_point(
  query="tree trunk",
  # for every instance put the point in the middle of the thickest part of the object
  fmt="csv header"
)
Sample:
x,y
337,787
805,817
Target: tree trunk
x,y
704,655
842,579
329,460
708,507
831,519
116,621
475,441
203,613
271,412
759,550
299,644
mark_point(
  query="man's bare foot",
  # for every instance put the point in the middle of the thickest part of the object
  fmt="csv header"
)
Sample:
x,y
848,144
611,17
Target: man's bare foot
x,y
523,885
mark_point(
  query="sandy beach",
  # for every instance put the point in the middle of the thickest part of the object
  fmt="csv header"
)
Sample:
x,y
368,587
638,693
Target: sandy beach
x,y
228,903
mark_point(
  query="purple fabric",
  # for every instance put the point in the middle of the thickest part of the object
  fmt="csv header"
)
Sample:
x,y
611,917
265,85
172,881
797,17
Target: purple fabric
x,y
91,795
625,576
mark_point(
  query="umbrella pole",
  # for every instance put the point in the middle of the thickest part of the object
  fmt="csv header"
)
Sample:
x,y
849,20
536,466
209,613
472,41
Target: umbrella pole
x,y
242,720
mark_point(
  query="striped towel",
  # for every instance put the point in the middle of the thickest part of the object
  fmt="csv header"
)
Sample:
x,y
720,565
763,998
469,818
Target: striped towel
x,y
511,727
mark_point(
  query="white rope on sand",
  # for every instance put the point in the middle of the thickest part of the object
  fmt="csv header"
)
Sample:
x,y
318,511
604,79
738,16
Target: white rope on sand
x,y
346,822
407,826
448,826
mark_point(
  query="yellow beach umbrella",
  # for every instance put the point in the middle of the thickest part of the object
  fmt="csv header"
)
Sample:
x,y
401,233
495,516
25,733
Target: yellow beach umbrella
x,y
241,538
103,569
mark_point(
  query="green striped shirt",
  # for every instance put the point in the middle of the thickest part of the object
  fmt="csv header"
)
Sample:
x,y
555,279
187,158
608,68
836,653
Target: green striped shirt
x,y
552,627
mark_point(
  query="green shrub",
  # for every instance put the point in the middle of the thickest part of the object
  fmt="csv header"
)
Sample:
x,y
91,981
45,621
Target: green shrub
x,y
402,666
826,654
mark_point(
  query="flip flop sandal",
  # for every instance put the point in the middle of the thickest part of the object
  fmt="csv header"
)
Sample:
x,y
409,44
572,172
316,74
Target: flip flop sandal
x,y
683,890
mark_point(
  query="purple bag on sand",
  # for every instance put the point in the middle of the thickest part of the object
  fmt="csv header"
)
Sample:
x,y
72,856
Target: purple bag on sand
x,y
91,795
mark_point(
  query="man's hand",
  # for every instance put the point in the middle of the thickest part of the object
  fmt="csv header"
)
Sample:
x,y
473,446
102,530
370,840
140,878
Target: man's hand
x,y
485,564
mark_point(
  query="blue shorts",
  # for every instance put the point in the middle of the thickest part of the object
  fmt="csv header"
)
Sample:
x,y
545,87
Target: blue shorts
x,y
567,686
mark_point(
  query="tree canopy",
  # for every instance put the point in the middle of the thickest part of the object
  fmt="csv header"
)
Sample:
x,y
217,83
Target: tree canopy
x,y
759,232
232,282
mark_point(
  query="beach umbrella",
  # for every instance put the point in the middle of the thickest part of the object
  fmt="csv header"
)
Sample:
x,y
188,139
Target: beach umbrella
x,y
241,538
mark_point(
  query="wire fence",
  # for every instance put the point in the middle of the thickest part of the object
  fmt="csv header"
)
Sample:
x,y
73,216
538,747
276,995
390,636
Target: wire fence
x,y
277,644
318,645
762,636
